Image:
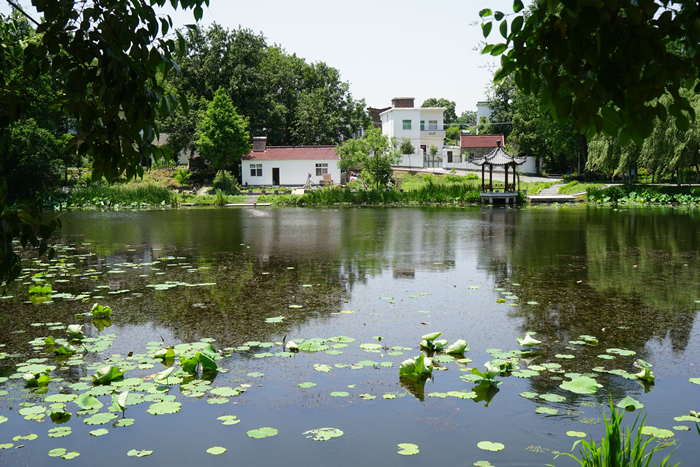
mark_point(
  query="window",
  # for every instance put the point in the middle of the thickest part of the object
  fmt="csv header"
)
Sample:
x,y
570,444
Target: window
x,y
432,125
321,169
449,156
406,124
422,125
256,170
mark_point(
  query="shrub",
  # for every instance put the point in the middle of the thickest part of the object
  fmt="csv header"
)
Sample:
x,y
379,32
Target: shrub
x,y
182,176
225,182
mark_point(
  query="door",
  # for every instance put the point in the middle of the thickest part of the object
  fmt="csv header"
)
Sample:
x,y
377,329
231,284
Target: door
x,y
276,176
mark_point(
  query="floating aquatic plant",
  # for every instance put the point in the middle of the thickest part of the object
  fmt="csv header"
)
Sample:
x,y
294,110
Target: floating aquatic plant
x,y
489,375
323,434
75,332
645,374
581,385
428,341
630,404
458,347
407,449
99,311
417,367
528,341
106,374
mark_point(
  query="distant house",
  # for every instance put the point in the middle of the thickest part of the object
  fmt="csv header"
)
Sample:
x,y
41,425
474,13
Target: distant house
x,y
424,126
477,146
288,165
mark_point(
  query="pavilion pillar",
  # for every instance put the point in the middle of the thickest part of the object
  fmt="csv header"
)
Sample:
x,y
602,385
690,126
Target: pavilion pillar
x,y
483,180
506,187
491,177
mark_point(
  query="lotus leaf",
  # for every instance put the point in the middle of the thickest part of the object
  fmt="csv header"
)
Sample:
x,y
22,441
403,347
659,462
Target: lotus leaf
x,y
457,347
552,397
321,367
323,434
75,331
276,319
630,404
25,437
307,385
60,398
576,434
645,375
229,420
58,452
312,346
225,391
160,408
694,380
657,432
124,422
88,402
622,352
99,432
432,336
60,432
528,341
70,455
528,395
546,410
489,446
490,373
168,352
420,366
581,385
216,450
106,374
137,453
100,419
100,311
264,432
340,394
367,396
407,449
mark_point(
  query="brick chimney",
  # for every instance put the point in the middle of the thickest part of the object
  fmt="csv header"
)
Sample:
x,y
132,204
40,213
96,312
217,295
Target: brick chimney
x,y
259,143
403,102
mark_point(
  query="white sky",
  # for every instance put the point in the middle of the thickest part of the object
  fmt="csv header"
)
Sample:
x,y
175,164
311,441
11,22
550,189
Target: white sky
x,y
384,48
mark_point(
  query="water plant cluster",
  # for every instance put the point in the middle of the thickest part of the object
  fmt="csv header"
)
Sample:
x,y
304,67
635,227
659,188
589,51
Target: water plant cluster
x,y
118,196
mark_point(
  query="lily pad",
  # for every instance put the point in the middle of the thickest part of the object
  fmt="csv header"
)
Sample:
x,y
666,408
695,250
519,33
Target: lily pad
x,y
100,419
160,408
60,432
229,420
552,397
307,384
657,432
323,434
576,434
58,452
137,453
276,319
581,385
99,432
323,368
367,396
216,450
263,432
124,422
408,449
528,395
340,394
694,380
490,446
546,410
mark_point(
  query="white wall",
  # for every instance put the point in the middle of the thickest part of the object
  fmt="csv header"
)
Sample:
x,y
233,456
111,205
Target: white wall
x,y
291,172
392,126
482,110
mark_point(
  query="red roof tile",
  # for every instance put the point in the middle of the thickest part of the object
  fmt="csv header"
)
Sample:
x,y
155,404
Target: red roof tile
x,y
289,153
480,141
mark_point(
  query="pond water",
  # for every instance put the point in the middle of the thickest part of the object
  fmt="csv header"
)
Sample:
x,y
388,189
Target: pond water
x,y
381,277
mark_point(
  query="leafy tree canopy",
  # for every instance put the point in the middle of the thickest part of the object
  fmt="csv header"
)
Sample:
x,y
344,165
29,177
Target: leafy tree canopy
x,y
604,63
450,114
223,137
373,155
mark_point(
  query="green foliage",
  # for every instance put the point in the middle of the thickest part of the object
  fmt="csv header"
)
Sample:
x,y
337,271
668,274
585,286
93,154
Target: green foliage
x,y
433,150
645,194
221,198
182,176
450,115
632,53
417,367
406,146
285,98
106,374
100,311
105,196
452,135
373,155
565,188
225,181
223,137
618,447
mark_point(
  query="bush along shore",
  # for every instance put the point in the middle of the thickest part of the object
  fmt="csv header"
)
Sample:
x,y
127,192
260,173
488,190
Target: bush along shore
x,y
115,196
645,194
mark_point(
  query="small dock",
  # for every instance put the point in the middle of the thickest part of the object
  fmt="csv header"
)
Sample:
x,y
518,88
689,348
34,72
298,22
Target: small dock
x,y
551,195
506,196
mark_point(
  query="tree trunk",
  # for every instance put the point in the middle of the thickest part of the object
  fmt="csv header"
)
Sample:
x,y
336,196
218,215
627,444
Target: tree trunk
x,y
678,177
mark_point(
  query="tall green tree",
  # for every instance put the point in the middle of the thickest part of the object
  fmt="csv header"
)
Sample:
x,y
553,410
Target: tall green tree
x,y
374,155
283,97
223,138
605,63
450,114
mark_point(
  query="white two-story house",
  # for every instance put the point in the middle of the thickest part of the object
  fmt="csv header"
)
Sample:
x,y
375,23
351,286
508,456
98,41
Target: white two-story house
x,y
424,126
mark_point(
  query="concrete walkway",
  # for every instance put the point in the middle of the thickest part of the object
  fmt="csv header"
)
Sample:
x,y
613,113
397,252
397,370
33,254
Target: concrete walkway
x,y
551,195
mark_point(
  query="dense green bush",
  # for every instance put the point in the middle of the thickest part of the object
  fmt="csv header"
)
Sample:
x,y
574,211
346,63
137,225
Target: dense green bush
x,y
225,182
641,194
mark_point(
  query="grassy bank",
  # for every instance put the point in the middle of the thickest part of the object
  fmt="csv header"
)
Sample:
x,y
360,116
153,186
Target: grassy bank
x,y
576,187
645,194
120,195
210,200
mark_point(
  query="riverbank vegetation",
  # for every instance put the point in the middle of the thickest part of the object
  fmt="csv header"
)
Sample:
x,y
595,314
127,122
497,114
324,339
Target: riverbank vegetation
x,y
645,194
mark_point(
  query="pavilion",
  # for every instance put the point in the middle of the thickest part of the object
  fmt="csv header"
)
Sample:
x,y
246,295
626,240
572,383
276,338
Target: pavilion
x,y
498,157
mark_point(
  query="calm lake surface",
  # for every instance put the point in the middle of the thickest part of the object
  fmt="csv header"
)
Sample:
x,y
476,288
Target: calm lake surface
x,y
627,277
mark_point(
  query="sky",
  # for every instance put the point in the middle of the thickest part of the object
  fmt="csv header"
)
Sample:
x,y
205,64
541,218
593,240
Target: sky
x,y
383,48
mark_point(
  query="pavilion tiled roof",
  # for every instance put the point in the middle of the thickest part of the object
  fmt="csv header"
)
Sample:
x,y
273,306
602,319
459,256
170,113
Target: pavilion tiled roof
x,y
293,153
498,157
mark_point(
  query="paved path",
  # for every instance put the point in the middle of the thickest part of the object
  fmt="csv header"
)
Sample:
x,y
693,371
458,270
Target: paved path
x,y
552,190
